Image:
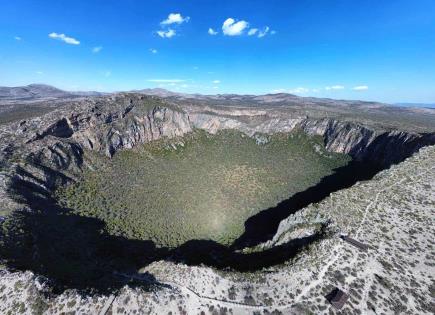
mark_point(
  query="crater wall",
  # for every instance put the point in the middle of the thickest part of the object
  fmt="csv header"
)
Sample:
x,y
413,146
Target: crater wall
x,y
49,150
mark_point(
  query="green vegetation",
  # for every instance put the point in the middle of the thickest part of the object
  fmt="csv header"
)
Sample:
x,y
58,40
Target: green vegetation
x,y
200,186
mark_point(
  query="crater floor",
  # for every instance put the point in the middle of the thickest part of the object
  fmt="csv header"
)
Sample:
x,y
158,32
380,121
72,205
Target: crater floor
x,y
200,186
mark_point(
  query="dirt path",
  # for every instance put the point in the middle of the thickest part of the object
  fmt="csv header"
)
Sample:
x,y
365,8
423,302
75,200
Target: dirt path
x,y
107,305
199,296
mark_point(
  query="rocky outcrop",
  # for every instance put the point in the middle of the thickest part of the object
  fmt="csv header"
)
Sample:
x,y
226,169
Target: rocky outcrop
x,y
128,130
362,143
118,123
49,152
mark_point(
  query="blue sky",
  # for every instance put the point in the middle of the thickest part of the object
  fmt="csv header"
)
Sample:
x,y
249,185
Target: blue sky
x,y
348,49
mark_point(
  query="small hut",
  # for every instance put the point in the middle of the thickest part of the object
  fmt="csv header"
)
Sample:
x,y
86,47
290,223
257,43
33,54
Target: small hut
x,y
354,242
337,298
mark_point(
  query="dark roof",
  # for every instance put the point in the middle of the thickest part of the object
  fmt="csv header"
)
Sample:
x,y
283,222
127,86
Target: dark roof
x,y
355,243
337,298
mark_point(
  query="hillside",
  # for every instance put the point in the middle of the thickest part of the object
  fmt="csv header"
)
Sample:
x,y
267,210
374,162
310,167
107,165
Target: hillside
x,y
34,92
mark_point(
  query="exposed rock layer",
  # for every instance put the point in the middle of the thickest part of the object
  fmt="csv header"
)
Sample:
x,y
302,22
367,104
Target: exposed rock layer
x,y
49,151
362,143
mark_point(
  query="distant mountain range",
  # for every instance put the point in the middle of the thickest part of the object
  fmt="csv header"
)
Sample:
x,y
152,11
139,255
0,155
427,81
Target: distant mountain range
x,y
427,105
39,92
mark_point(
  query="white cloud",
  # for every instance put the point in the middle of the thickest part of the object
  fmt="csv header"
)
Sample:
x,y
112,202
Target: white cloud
x,y
173,18
195,68
216,81
39,72
212,31
263,32
107,73
96,49
64,38
232,28
153,51
334,87
17,38
215,87
166,34
176,18
166,80
299,90
360,88
272,32
176,85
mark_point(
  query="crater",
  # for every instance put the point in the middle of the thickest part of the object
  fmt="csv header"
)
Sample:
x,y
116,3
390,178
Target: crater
x,y
200,186
128,181
197,199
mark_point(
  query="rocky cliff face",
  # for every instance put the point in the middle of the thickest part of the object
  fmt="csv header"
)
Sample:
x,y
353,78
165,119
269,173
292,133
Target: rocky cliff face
x,y
119,123
42,153
48,151
362,143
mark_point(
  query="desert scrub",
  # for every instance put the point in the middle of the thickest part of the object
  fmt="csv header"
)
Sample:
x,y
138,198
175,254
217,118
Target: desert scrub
x,y
201,186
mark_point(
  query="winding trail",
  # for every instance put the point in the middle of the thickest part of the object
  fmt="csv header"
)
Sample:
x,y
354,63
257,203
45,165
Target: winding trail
x,y
182,288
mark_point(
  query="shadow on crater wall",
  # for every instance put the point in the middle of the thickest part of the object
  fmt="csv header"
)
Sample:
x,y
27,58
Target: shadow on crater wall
x,y
77,252
262,226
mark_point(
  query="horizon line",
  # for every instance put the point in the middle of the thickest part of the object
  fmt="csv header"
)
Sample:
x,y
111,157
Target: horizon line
x,y
430,105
